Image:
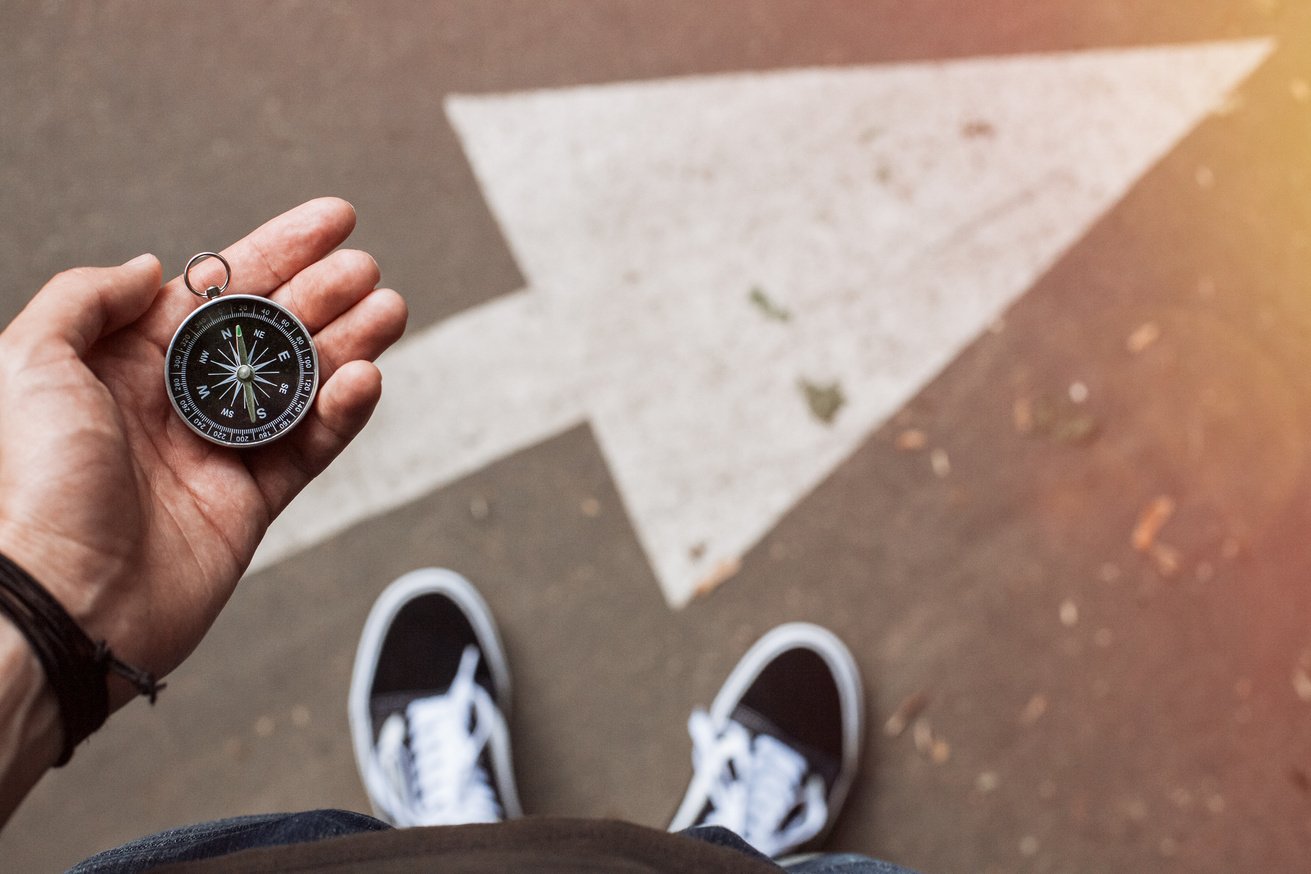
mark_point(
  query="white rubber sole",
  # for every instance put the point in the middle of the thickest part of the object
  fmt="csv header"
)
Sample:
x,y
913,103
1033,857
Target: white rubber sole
x,y
401,591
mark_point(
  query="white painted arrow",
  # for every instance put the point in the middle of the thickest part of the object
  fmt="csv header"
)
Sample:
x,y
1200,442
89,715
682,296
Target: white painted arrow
x,y
894,212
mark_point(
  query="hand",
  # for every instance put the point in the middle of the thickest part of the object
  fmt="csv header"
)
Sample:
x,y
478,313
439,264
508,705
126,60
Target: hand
x,y
139,527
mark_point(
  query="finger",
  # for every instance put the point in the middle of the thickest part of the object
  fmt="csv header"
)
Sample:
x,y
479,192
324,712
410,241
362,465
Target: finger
x,y
79,306
280,248
328,288
363,332
341,410
261,262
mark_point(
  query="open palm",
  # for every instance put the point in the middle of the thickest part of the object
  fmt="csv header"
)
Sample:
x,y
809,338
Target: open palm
x,y
138,526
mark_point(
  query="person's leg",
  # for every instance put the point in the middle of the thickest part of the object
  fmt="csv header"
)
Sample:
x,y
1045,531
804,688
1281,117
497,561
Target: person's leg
x,y
218,838
722,837
428,704
843,863
774,757
811,863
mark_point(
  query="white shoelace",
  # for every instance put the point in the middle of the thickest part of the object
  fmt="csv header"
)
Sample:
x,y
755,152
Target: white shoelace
x,y
437,778
757,787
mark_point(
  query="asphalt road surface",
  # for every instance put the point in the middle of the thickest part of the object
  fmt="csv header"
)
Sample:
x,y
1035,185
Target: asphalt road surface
x,y
979,333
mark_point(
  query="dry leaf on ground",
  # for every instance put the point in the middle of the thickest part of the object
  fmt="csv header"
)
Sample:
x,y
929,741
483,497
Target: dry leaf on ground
x,y
910,707
1034,710
912,440
718,574
1143,337
1150,522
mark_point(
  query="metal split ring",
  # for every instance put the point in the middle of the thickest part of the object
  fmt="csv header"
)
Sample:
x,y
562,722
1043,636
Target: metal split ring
x,y
212,291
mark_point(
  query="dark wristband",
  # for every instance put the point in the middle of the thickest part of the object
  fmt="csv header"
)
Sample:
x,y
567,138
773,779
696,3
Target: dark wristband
x,y
75,667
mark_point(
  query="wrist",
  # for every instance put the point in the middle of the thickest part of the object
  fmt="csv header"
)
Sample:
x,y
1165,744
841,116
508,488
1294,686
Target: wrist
x,y
74,577
78,587
76,667
31,734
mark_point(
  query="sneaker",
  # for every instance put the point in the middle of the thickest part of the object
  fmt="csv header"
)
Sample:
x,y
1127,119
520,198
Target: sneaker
x,y
775,756
429,699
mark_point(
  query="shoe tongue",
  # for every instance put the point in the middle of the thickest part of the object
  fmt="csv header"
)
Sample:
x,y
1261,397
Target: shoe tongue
x,y
824,765
382,707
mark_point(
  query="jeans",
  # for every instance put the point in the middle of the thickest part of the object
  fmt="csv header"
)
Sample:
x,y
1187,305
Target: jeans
x,y
816,863
224,836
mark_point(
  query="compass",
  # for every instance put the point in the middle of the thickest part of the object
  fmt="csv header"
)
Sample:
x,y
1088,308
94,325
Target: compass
x,y
241,370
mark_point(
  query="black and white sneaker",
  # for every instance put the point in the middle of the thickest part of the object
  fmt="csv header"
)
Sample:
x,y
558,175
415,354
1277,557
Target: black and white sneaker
x,y
428,704
775,756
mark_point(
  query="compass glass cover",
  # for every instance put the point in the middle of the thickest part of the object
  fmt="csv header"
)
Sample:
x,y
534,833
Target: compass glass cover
x,y
241,371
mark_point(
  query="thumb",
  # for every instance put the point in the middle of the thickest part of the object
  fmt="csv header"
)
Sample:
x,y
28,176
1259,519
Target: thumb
x,y
79,306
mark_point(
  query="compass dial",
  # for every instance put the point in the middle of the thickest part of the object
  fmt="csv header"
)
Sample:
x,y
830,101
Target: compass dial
x,y
241,370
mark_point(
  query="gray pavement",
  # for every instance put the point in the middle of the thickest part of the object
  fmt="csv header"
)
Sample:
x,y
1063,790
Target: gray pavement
x,y
1088,706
